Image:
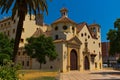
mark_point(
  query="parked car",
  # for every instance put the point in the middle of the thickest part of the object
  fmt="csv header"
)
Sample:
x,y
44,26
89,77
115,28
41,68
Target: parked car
x,y
105,65
116,66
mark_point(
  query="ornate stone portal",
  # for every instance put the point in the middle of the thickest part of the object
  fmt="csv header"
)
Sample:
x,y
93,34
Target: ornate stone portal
x,y
73,57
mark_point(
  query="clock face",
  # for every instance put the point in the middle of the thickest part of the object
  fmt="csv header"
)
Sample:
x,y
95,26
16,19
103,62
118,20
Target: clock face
x,y
64,27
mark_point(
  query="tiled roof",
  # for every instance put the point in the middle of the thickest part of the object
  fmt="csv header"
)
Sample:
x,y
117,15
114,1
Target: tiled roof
x,y
97,25
64,19
47,33
81,25
59,40
6,19
39,32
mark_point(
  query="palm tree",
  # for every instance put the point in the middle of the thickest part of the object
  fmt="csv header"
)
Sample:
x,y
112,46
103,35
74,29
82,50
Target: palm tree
x,y
21,8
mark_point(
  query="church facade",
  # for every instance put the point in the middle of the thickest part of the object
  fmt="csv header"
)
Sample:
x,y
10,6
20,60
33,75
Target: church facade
x,y
78,45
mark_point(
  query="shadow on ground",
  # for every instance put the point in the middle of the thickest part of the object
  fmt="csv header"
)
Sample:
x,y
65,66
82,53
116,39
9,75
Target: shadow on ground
x,y
107,73
105,79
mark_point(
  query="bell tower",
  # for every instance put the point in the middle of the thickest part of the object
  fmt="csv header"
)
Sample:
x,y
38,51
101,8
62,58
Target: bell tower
x,y
39,19
64,12
95,28
63,28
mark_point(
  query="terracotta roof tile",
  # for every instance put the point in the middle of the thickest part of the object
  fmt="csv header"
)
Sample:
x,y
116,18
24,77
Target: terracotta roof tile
x,y
6,19
48,33
64,19
39,32
59,40
81,25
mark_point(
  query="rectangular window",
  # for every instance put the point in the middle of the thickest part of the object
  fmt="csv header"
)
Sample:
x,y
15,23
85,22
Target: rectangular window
x,y
21,40
24,52
56,37
99,45
8,23
5,24
8,33
14,21
22,29
27,63
1,25
13,30
18,53
22,63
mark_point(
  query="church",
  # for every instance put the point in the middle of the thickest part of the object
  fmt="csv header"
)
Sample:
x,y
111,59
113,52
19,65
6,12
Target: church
x,y
78,45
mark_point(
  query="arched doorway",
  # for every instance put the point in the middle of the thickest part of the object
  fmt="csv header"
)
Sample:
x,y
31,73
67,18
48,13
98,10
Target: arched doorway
x,y
86,63
73,60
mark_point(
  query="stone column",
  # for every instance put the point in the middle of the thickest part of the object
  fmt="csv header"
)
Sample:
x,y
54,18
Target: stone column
x,y
78,52
68,59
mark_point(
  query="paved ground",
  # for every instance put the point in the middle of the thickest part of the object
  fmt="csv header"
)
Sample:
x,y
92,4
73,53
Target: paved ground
x,y
91,75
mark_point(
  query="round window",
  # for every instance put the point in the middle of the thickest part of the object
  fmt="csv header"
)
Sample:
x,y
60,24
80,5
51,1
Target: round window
x,y
64,27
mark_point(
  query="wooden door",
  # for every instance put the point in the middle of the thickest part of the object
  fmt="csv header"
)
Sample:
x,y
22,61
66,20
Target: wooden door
x,y
73,60
86,63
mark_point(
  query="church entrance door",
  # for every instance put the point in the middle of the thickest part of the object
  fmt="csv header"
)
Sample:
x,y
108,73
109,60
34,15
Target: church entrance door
x,y
73,60
86,63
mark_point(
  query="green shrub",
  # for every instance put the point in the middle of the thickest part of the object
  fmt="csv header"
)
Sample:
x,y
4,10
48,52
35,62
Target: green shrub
x,y
4,57
8,71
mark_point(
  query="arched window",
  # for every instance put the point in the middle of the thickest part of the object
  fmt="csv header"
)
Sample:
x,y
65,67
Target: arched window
x,y
94,29
56,37
73,29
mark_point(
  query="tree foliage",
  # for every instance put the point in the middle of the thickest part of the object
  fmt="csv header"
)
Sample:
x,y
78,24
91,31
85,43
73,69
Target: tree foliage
x,y
20,8
8,71
114,37
6,48
40,47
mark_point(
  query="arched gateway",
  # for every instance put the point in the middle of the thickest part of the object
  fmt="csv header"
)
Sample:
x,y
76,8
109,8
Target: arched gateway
x,y
86,63
73,60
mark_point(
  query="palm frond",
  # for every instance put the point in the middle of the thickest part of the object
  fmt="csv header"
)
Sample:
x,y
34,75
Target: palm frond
x,y
6,5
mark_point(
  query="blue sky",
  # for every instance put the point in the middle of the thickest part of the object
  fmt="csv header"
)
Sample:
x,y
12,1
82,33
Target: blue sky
x,y
103,12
